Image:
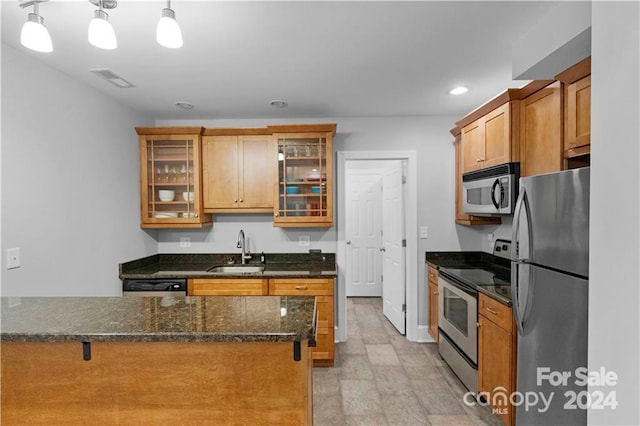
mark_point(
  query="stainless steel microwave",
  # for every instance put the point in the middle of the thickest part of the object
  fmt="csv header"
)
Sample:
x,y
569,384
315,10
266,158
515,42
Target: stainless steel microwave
x,y
491,191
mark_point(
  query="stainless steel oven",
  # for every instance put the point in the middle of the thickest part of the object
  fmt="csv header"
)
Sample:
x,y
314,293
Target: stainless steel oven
x,y
458,333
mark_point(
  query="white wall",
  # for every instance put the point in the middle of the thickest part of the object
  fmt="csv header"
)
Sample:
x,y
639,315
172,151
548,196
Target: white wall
x,y
614,293
69,183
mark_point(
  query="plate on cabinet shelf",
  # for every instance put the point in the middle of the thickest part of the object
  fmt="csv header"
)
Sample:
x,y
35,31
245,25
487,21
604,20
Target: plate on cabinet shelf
x,y
165,215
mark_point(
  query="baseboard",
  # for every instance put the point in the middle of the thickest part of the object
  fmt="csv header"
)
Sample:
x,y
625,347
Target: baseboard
x,y
422,335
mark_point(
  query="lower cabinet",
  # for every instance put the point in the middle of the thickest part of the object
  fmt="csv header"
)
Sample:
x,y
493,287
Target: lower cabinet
x,y
432,301
496,356
322,288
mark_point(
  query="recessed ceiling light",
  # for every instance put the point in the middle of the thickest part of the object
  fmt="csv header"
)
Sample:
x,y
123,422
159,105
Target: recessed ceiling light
x,y
278,104
458,90
184,105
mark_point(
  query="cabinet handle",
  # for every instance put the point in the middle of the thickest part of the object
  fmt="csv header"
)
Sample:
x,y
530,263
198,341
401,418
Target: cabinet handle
x,y
491,310
302,287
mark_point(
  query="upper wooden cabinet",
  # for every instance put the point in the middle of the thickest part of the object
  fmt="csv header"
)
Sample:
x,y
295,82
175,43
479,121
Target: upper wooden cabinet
x,y
238,172
461,217
577,108
304,175
170,180
491,139
541,130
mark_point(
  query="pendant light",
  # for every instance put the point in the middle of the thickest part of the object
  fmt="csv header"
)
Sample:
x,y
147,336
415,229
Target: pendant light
x,y
34,34
101,32
168,32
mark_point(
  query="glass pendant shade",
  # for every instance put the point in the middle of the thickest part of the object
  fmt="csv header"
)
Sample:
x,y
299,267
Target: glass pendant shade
x,y
34,34
101,32
168,32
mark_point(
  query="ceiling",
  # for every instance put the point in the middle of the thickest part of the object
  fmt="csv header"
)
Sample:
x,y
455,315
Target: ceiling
x,y
326,59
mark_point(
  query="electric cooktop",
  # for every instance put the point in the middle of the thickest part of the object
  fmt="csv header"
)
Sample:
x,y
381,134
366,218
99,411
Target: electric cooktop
x,y
495,280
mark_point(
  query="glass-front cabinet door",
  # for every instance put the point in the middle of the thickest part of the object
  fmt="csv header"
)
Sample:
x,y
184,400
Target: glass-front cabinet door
x,y
170,178
305,180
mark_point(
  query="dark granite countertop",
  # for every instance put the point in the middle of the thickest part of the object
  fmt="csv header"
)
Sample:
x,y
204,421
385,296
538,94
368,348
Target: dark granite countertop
x,y
159,319
288,265
475,260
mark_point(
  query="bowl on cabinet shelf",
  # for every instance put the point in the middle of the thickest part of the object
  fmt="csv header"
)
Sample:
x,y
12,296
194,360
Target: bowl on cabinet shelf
x,y
188,196
166,195
316,189
292,190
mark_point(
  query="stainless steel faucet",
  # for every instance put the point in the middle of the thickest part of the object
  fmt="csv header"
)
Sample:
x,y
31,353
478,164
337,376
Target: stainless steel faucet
x,y
245,255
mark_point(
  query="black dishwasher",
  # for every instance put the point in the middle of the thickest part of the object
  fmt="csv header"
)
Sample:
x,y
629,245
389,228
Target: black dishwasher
x,y
155,287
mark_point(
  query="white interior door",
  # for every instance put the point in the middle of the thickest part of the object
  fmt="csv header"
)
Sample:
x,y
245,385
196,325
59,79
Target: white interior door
x,y
393,249
363,191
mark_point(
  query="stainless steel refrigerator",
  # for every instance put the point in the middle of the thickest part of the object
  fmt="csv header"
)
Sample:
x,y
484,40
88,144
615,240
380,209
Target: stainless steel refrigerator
x,y
549,280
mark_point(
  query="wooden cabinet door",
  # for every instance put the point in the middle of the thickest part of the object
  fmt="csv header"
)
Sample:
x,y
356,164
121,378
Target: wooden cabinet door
x,y
432,301
578,116
497,137
472,146
170,179
228,287
495,365
496,354
541,131
220,165
257,170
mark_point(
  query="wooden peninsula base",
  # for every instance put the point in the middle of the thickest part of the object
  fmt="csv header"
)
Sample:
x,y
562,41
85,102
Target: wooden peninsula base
x,y
209,383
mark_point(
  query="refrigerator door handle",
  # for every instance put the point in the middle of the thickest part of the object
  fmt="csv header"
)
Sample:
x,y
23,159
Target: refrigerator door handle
x,y
520,262
523,203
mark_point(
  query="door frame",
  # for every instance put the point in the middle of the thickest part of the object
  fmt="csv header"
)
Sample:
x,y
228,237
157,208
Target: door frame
x,y
411,232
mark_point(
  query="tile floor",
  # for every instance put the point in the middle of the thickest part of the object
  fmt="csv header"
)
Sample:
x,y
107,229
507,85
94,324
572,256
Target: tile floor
x,y
380,378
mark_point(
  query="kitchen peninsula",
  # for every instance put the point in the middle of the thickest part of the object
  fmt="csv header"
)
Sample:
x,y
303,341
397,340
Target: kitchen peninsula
x,y
157,360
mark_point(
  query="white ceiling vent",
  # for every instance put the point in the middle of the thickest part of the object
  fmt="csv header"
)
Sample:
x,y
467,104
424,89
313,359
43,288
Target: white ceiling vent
x,y
112,77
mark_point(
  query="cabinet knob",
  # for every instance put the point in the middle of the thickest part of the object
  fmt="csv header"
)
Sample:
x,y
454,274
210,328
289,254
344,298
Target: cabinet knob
x,y
196,215
275,214
235,201
478,325
435,293
383,249
241,200
348,242
478,160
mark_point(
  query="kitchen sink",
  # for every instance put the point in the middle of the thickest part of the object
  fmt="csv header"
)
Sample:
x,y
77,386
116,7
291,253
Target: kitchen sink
x,y
237,269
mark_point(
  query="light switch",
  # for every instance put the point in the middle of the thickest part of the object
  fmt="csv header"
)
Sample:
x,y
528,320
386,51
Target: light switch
x,y
424,232
13,258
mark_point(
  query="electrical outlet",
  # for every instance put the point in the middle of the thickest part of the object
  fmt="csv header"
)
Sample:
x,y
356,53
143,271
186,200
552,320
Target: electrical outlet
x,y
304,241
424,232
185,242
490,237
13,258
